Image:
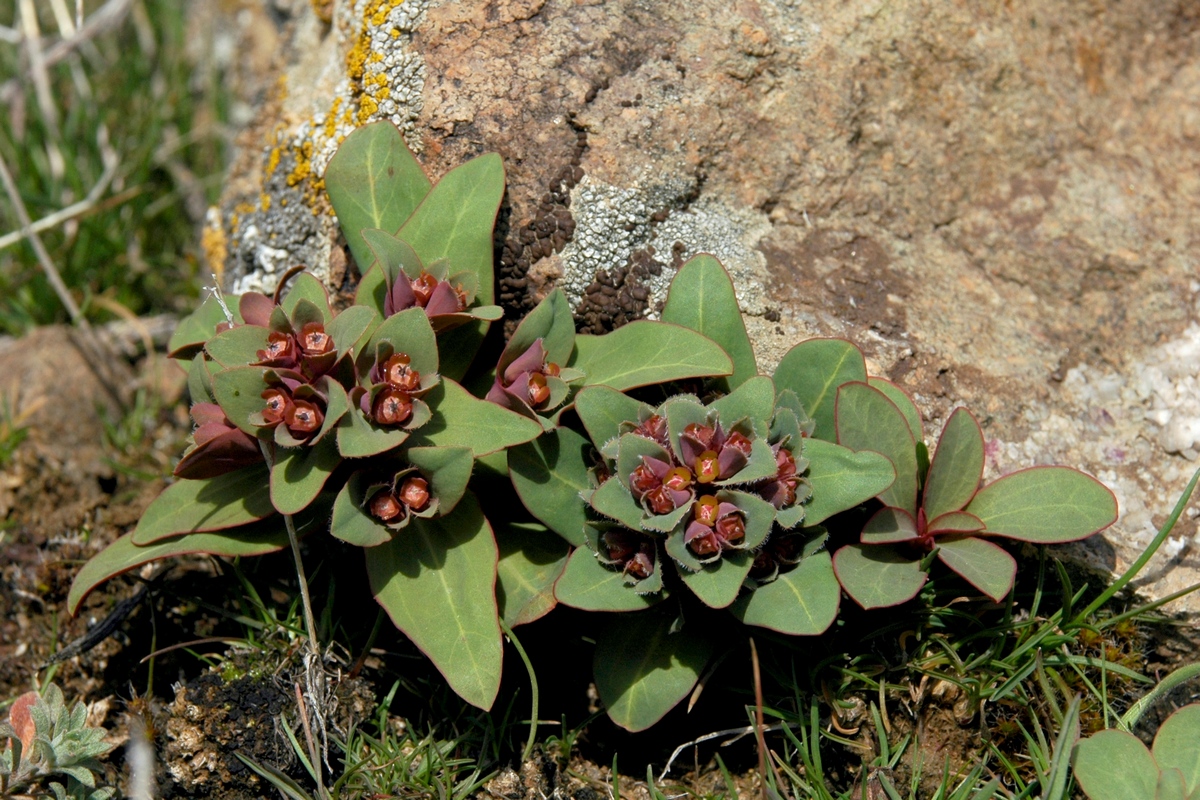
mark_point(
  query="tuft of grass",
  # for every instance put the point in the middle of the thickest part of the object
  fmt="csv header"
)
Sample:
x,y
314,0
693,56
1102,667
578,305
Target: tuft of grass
x,y
117,150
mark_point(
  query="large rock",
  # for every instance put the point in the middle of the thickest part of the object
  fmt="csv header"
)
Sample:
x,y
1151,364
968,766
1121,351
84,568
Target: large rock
x,y
995,200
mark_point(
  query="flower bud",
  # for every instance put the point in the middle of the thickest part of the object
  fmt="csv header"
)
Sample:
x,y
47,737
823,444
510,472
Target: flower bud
x,y
731,528
385,507
423,287
277,404
391,407
708,467
642,480
314,341
552,369
654,428
659,500
415,493
705,511
303,418
280,350
398,372
700,434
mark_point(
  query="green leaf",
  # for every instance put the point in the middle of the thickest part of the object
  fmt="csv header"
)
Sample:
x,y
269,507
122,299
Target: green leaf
x,y
359,437
868,420
1045,505
238,346
1177,745
351,326
239,392
123,555
350,522
372,289
842,479
198,327
455,220
299,474
457,348
982,564
305,286
1170,785
462,420
754,398
904,403
531,559
408,332
211,504
587,584
199,380
614,501
1114,765
878,576
643,669
393,255
448,470
550,321
957,466
955,522
889,526
438,584
702,298
646,352
814,370
602,410
373,181
549,475
801,602
717,584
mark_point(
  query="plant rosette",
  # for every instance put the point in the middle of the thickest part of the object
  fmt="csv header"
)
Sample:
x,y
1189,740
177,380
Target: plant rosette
x,y
939,509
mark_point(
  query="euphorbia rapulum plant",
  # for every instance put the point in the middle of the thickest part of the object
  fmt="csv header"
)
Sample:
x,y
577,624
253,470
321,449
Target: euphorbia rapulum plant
x,y
939,508
688,510
353,422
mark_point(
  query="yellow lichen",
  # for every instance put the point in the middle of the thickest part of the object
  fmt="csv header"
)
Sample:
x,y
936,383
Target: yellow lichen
x,y
264,201
212,243
273,160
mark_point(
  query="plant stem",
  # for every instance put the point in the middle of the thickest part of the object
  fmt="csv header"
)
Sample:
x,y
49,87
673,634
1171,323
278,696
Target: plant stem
x,y
533,714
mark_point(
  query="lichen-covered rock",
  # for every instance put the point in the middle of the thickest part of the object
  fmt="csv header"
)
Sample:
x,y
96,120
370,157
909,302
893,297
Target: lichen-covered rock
x,y
996,201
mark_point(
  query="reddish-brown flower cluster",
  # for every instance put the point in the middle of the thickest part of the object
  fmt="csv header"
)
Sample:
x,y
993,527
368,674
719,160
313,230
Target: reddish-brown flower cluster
x,y
294,404
392,506
395,383
780,491
310,353
523,384
632,553
438,298
707,454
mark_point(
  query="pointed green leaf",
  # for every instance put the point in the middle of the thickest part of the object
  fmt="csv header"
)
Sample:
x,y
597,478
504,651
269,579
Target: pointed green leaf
x,y
211,504
1114,765
717,584
531,559
198,327
373,181
550,321
680,411
123,555
349,328
462,420
814,370
393,255
878,576
238,346
801,602
358,437
587,584
437,582
646,352
602,410
1045,505
754,398
702,298
455,220
643,669
1177,745
239,392
867,420
904,403
350,521
457,348
888,526
300,473
842,479
549,474
982,564
372,289
306,287
957,466
448,470
408,332
199,381
614,501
